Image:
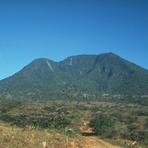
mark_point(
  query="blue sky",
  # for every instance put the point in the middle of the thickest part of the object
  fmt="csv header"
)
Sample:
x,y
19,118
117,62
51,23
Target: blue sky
x,y
55,29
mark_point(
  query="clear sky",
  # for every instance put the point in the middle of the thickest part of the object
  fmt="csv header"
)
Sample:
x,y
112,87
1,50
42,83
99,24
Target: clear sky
x,y
56,29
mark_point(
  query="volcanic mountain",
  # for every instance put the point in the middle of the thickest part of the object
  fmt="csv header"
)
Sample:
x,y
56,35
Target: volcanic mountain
x,y
76,75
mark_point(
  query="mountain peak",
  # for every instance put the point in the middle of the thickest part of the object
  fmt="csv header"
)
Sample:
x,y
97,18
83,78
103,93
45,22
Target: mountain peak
x,y
109,54
105,73
38,60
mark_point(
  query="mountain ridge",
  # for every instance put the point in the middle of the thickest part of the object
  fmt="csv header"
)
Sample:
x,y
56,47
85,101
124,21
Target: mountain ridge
x,y
76,75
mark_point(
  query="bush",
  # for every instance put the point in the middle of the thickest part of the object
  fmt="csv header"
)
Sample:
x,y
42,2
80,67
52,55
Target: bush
x,y
52,120
103,125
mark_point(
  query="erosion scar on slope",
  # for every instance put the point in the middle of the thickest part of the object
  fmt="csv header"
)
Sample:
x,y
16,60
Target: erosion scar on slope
x,y
71,61
50,66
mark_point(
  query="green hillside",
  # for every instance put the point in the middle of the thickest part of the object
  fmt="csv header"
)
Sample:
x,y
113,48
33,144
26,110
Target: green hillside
x,y
76,76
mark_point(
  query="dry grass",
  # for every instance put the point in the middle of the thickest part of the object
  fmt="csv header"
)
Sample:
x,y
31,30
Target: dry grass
x,y
13,137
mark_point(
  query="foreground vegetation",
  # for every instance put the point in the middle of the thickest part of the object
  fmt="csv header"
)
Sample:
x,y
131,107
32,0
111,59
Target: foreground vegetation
x,y
14,137
58,123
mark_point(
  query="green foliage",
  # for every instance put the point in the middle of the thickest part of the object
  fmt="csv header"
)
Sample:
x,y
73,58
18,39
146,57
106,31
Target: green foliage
x,y
51,117
55,121
7,105
70,132
103,125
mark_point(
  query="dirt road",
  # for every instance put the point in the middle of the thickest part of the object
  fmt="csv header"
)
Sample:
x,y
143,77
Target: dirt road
x,y
90,140
94,142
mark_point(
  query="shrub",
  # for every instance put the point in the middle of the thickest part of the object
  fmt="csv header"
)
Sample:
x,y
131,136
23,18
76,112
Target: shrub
x,y
103,125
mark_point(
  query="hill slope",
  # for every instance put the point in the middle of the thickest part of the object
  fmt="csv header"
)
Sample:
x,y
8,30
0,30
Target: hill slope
x,y
76,75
